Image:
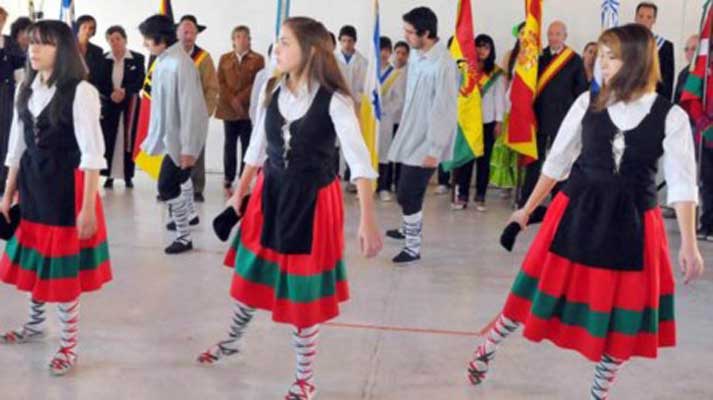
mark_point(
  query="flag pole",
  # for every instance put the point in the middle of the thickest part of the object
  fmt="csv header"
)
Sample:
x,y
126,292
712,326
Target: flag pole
x,y
705,93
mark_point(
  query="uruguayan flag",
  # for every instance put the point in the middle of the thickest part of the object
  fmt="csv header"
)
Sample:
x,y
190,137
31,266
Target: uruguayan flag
x,y
610,19
283,12
610,13
66,13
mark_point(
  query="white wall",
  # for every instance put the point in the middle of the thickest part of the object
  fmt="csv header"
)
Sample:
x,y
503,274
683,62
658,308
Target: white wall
x,y
677,20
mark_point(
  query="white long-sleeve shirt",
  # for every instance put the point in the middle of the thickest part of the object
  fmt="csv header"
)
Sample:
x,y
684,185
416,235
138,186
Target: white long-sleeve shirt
x,y
678,160
494,101
354,73
179,114
86,111
294,106
430,117
392,104
260,78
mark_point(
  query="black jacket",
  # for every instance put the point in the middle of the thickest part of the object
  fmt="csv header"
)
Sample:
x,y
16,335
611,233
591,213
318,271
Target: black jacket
x,y
134,74
95,63
680,84
668,70
552,105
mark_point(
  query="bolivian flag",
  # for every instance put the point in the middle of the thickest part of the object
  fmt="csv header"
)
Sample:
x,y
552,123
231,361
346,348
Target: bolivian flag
x,y
469,139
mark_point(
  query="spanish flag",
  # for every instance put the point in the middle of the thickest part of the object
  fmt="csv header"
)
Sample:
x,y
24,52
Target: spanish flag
x,y
370,108
469,140
149,164
697,96
523,123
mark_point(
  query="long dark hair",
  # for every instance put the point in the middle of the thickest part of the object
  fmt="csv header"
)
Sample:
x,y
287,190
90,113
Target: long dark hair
x,y
18,26
69,67
635,46
318,61
488,63
515,52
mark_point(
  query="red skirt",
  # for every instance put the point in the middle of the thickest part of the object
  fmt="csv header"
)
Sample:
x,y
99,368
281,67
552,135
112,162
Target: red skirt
x,y
596,311
304,289
52,263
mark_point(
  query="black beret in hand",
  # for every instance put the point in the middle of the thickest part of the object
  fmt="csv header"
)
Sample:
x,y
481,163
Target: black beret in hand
x,y
507,239
223,224
7,230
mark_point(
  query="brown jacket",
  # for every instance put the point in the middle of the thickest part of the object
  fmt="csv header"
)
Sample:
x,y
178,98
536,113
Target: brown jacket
x,y
236,80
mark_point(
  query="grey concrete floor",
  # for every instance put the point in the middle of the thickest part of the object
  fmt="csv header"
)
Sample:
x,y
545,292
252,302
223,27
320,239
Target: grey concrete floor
x,y
407,333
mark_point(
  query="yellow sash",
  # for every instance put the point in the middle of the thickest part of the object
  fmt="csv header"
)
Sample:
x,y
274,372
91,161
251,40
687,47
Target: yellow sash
x,y
554,68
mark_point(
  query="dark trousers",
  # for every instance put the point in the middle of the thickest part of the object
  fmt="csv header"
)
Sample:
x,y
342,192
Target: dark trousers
x,y
235,130
707,188
412,188
463,175
386,177
444,178
198,174
170,179
396,166
532,171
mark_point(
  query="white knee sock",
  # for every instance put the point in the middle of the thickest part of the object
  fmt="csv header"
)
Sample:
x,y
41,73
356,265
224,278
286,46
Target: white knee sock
x,y
413,227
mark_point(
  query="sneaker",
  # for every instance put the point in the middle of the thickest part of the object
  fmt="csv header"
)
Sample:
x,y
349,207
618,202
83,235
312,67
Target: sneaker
x,y
109,183
478,367
178,247
198,197
385,196
351,188
63,361
480,206
442,189
129,184
301,390
171,226
459,205
395,234
405,258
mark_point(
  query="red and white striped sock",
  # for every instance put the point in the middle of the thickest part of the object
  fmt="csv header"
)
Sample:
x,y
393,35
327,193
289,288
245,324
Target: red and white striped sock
x,y
34,328
242,315
304,341
604,376
485,352
66,356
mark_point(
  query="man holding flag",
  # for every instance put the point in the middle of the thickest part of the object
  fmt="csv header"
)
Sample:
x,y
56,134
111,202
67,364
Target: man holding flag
x,y
178,121
697,100
428,124
561,79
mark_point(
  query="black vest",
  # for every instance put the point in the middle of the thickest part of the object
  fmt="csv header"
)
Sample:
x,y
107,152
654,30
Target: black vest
x,y
47,168
602,226
294,172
